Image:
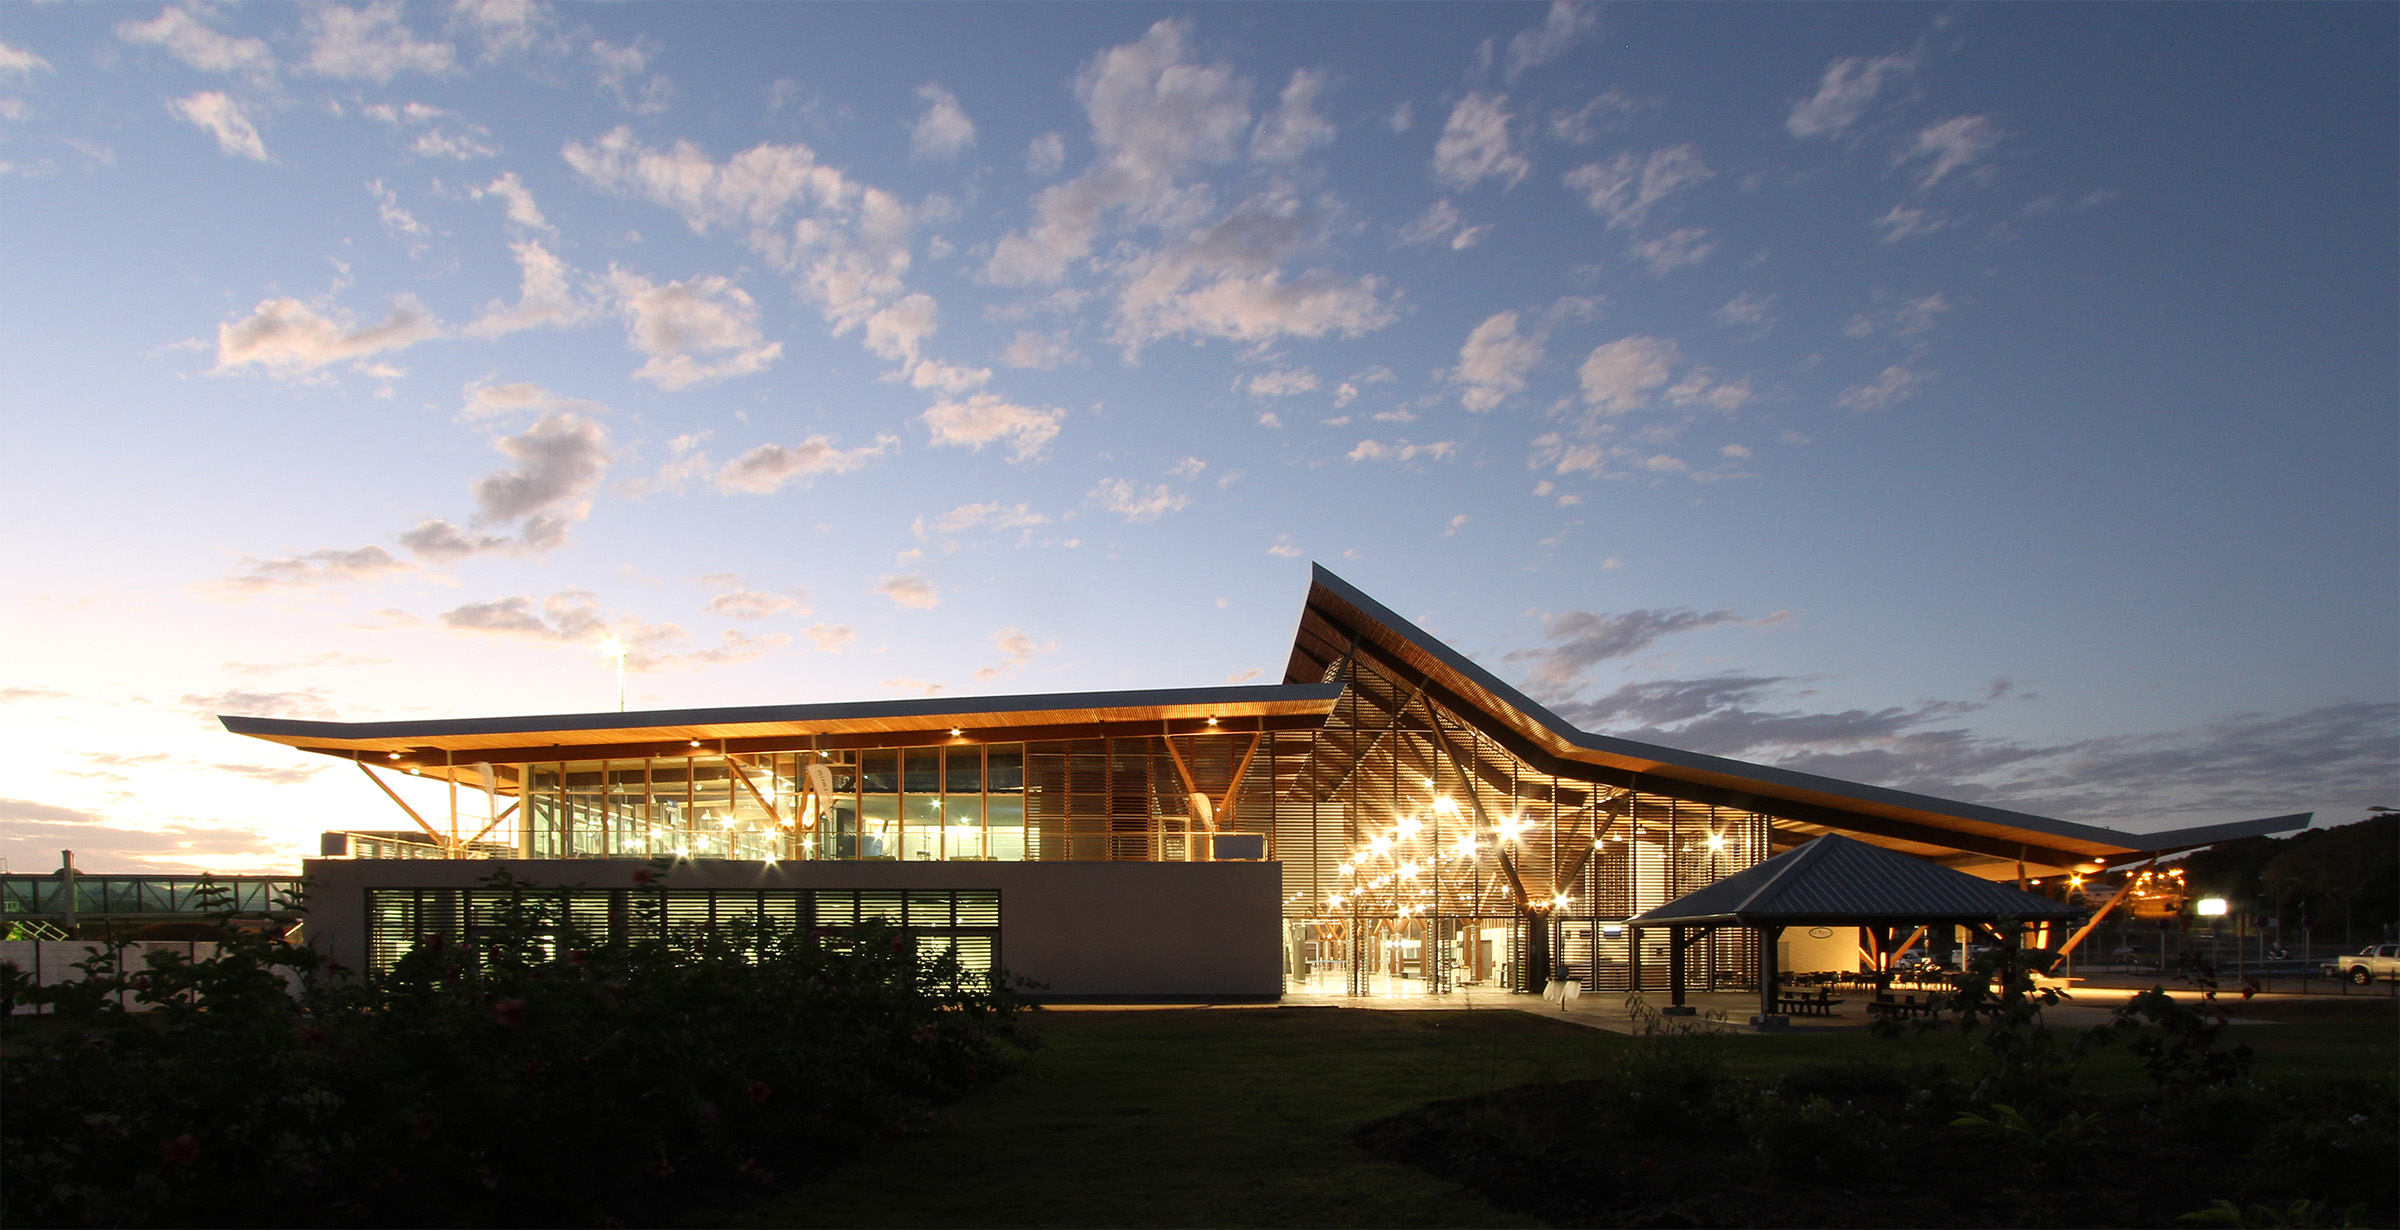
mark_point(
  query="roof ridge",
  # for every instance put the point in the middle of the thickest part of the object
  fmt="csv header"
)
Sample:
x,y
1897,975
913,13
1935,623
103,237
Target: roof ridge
x,y
1802,855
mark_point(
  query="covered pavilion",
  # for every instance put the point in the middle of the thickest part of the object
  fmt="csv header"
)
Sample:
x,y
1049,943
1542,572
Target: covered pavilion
x,y
1837,881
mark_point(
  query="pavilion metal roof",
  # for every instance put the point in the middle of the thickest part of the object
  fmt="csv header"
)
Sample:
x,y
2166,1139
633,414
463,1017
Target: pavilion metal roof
x,y
1834,879
1338,620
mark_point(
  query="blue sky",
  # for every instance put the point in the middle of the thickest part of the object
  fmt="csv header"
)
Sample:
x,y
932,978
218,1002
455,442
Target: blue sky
x,y
1996,401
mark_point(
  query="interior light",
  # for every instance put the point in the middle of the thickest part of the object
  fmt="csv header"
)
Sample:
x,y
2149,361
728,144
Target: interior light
x,y
1446,805
1349,869
393,755
1716,841
956,732
1212,721
695,743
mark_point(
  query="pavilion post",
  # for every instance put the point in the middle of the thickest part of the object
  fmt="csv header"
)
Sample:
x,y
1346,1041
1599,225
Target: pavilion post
x,y
1675,966
1633,959
1767,972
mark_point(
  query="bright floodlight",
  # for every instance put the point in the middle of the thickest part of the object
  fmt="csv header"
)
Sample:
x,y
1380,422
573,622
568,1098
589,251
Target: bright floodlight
x,y
2210,906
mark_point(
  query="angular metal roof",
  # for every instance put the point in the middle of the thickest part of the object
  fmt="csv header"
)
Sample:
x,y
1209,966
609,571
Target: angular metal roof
x,y
1834,879
1339,620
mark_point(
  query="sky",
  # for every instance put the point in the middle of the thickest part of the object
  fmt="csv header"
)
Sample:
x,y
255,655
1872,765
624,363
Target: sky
x,y
1992,401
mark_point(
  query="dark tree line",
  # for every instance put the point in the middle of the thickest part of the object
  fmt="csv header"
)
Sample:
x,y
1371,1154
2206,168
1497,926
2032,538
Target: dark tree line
x,y
2347,877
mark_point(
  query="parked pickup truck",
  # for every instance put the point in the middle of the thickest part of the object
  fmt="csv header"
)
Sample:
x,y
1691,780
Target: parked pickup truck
x,y
2367,964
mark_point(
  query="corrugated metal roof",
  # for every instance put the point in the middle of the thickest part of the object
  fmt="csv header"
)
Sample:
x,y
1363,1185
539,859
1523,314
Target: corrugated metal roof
x,y
1835,879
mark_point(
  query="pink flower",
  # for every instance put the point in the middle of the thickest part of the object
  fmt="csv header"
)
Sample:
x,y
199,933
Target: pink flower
x,y
422,1129
758,1091
643,875
923,1033
510,1013
181,1151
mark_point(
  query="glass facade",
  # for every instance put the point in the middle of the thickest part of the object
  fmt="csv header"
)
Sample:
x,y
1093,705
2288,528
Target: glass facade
x,y
949,803
961,922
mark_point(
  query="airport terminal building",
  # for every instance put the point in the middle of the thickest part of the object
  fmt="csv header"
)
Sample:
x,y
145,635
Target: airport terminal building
x,y
1391,818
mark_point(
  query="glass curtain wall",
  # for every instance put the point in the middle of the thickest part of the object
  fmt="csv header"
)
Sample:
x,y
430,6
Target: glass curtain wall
x,y
914,803
1421,856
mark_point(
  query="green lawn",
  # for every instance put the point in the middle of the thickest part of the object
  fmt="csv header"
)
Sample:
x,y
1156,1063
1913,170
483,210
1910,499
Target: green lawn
x,y
1227,1116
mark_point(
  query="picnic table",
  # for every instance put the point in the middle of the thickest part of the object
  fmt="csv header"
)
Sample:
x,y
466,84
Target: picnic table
x,y
1819,1004
1906,1006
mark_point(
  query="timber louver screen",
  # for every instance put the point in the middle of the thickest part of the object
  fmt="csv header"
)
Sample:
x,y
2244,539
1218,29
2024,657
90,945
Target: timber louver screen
x,y
963,922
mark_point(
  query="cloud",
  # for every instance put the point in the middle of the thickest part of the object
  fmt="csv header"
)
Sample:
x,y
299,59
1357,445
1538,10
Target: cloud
x,y
847,251
1210,290
1475,145
435,141
704,315
32,833
1625,188
1441,221
913,592
560,461
897,331
1908,222
1605,112
505,27
1844,92
987,418
370,43
311,570
737,601
830,638
543,297
1748,309
1892,385
1043,352
288,338
1456,523
1136,503
1581,640
398,221
1017,651
1282,383
1674,250
575,616
1045,155
221,117
1951,145
1401,451
771,467
905,683
1562,27
307,704
519,199
2228,767
1911,317
10,694
484,401
617,65
1283,547
1156,115
943,130
1293,128
1245,675
989,515
1619,376
18,62
185,37
1493,364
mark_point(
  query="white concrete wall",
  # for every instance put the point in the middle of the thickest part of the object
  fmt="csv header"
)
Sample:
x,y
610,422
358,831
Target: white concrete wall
x,y
1087,930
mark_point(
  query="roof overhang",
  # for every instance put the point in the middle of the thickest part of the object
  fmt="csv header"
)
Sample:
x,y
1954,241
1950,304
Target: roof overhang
x,y
1988,837
770,728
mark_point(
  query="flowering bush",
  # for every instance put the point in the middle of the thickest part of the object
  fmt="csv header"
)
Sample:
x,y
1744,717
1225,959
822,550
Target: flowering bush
x,y
536,1075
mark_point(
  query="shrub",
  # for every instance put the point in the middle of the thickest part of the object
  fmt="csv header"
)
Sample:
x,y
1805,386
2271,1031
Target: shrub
x,y
537,1076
